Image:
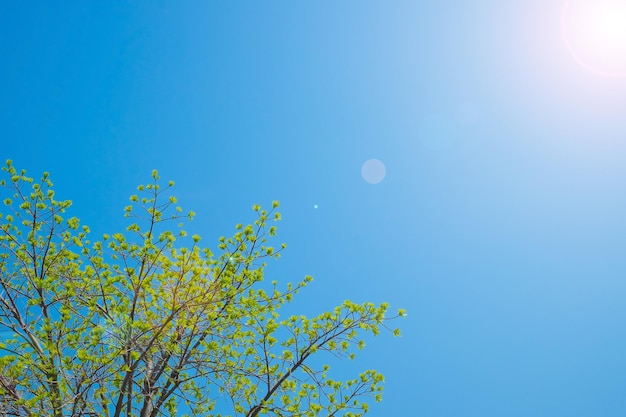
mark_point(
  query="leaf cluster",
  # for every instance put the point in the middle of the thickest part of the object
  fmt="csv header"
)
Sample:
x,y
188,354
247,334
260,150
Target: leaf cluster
x,y
146,322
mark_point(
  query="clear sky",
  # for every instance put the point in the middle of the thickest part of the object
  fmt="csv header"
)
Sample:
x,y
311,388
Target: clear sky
x,y
495,214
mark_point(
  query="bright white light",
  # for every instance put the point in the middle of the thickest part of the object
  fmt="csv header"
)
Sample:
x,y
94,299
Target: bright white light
x,y
595,34
373,171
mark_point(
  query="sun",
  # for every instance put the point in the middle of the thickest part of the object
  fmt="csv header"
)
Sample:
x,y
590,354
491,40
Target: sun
x,y
594,32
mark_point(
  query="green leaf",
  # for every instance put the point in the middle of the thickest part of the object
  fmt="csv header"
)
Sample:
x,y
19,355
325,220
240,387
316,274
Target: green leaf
x,y
142,311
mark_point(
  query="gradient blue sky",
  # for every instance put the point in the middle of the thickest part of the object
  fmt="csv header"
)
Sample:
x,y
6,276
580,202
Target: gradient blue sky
x,y
500,225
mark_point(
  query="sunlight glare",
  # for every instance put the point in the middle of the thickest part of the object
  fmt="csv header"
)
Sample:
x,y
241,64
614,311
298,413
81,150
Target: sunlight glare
x,y
595,34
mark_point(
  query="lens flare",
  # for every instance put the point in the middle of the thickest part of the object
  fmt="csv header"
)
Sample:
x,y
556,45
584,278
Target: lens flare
x,y
594,32
373,171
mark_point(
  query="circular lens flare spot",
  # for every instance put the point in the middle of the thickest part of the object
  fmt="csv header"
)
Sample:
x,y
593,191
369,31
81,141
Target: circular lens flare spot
x,y
373,171
595,35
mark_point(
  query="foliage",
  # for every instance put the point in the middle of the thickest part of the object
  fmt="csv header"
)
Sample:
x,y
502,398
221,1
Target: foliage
x,y
136,325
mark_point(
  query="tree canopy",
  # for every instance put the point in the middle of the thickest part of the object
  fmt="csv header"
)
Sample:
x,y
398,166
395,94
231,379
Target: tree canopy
x,y
135,323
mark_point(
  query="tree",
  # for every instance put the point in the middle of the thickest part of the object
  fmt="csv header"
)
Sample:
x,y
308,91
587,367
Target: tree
x,y
135,324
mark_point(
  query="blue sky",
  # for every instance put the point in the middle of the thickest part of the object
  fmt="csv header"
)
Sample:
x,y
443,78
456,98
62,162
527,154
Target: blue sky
x,y
500,225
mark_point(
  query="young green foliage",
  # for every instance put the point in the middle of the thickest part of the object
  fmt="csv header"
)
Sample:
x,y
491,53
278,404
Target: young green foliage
x,y
136,324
